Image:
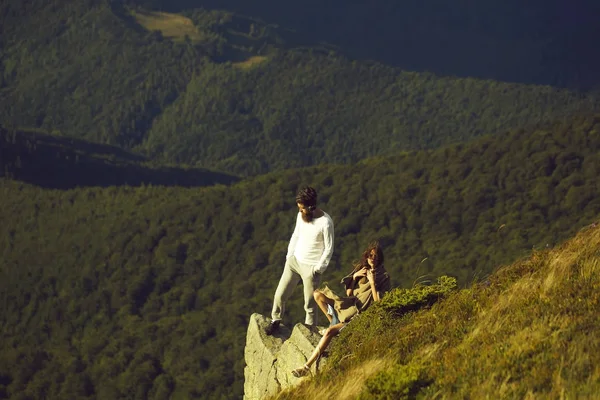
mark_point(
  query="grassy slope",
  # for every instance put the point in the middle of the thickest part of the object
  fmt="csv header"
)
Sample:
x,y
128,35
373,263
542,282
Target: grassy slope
x,y
125,292
172,26
529,331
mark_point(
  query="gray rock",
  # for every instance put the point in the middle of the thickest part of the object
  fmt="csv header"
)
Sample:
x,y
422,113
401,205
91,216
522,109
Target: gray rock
x,y
271,359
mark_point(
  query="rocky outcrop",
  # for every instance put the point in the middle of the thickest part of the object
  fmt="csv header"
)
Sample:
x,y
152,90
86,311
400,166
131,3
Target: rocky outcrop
x,y
270,359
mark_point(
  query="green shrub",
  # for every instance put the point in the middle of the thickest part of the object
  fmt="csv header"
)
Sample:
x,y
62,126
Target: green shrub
x,y
400,382
400,301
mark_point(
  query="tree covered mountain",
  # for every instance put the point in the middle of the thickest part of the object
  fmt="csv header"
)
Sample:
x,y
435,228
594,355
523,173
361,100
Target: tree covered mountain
x,y
144,292
238,95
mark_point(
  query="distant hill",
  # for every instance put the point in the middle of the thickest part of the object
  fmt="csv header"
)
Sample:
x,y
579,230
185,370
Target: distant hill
x,y
528,331
146,291
239,94
301,108
538,42
65,163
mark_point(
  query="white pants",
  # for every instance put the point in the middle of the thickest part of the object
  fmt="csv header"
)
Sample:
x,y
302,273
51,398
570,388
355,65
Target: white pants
x,y
292,273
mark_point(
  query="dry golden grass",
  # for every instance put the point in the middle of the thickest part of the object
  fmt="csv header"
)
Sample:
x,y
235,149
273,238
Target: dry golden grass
x,y
352,383
250,62
172,26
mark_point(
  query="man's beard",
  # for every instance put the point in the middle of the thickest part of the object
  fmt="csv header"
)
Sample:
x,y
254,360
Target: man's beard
x,y
308,217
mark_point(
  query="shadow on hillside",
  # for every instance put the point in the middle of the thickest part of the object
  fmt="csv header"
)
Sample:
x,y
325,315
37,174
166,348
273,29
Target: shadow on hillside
x,y
66,163
537,42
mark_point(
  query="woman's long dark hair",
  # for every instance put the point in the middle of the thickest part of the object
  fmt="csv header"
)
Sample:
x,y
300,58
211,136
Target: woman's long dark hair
x,y
374,245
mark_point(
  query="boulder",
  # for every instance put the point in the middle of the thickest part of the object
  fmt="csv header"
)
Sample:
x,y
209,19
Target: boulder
x,y
271,359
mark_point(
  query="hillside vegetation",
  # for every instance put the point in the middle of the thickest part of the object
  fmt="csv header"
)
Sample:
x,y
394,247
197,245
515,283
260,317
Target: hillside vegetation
x,y
527,331
88,69
145,292
325,109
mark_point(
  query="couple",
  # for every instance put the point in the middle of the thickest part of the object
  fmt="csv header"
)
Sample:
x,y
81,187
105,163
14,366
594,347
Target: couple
x,y
309,252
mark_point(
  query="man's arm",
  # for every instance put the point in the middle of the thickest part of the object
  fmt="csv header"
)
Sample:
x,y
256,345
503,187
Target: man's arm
x,y
294,239
328,236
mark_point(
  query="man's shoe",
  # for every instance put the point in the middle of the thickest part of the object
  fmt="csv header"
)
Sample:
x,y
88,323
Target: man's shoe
x,y
311,328
272,327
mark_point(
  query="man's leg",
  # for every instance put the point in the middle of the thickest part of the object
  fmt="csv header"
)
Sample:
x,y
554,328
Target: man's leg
x,y
310,283
289,280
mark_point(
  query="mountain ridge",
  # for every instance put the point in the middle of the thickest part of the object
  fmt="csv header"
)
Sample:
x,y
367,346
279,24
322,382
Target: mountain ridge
x,y
100,76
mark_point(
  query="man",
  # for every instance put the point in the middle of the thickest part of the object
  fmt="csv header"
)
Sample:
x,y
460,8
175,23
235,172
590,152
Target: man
x,y
309,252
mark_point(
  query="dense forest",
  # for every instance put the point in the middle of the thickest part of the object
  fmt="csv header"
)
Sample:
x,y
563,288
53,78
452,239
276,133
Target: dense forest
x,y
145,292
91,70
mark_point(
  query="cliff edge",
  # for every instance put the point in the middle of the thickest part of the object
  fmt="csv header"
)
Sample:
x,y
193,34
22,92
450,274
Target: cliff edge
x,y
270,359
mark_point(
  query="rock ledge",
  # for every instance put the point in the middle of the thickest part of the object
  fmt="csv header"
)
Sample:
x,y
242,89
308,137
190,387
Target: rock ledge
x,y
270,359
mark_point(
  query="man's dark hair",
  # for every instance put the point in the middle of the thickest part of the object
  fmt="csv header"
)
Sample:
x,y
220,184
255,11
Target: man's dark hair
x,y
307,196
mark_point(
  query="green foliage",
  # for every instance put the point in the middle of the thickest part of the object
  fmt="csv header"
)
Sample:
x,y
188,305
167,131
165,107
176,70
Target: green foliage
x,y
84,69
399,301
380,316
400,382
326,110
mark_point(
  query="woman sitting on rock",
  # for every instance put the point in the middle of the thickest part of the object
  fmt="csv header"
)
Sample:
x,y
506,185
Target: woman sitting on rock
x,y
367,283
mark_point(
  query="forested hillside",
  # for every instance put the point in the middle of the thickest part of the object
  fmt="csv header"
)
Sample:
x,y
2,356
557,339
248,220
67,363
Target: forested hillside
x,y
78,68
145,292
300,109
236,94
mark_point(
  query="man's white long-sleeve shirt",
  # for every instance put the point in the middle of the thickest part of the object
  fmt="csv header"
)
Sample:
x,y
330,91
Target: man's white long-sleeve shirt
x,y
312,242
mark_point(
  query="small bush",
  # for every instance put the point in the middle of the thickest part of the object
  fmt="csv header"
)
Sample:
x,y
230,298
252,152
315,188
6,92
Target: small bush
x,y
400,301
400,382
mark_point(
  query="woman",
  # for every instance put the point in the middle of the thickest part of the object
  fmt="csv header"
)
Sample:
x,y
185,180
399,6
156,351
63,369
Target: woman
x,y
366,284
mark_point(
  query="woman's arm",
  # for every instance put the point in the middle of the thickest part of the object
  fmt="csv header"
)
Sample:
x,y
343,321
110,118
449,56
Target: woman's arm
x,y
356,275
371,279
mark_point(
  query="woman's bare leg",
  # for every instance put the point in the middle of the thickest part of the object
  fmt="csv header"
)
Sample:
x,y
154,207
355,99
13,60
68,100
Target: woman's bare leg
x,y
322,301
324,342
